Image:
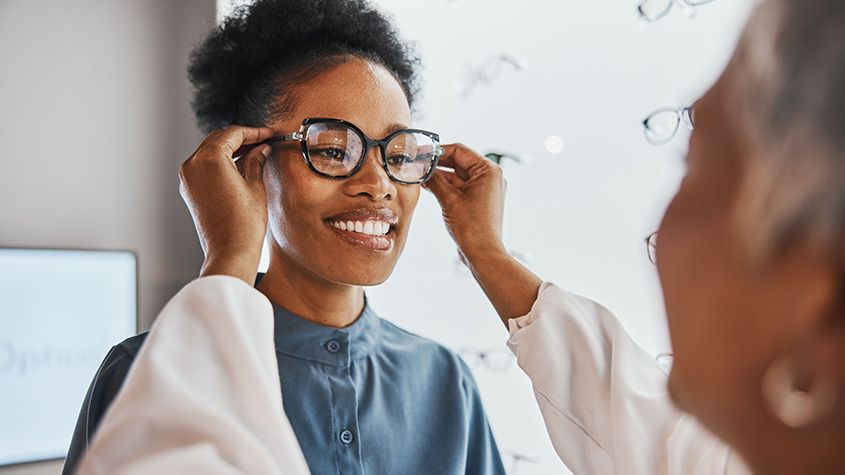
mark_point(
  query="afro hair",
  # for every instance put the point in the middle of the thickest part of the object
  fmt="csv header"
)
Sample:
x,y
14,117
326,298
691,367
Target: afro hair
x,y
243,72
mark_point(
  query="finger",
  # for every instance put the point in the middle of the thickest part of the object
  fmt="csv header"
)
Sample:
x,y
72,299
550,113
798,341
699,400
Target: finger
x,y
244,149
239,164
440,186
452,178
231,139
253,167
462,159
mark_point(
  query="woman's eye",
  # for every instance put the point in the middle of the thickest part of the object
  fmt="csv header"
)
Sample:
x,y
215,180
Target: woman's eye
x,y
331,153
399,159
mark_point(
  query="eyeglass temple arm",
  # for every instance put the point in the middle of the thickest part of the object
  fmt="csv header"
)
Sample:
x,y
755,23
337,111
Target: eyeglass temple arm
x,y
286,137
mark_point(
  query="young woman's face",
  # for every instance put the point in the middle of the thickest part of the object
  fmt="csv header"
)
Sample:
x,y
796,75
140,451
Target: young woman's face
x,y
303,206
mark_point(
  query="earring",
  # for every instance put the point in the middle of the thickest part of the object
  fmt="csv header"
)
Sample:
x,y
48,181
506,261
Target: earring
x,y
792,406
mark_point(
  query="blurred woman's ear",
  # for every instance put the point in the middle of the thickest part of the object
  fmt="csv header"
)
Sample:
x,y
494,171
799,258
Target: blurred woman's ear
x,y
804,388
805,391
831,350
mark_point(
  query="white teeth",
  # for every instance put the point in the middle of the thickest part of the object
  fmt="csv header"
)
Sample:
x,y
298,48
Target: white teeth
x,y
371,228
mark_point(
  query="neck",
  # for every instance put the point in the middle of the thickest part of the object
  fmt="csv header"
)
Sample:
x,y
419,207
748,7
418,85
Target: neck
x,y
307,295
819,461
816,451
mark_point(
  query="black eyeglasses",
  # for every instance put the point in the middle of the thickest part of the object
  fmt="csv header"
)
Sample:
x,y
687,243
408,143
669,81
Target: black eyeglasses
x,y
336,148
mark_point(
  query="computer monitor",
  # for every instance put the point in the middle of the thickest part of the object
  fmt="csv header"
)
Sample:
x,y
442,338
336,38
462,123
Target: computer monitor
x,y
60,312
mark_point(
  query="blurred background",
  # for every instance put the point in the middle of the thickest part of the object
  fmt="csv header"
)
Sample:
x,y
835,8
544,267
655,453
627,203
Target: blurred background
x,y
95,120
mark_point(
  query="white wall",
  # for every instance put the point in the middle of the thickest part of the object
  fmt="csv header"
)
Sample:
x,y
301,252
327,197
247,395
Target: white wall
x,y
94,122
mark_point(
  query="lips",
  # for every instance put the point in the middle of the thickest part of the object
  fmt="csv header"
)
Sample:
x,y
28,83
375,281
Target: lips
x,y
367,214
366,228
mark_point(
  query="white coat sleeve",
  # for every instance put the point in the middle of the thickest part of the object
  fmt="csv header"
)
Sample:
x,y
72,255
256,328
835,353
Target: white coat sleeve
x,y
604,400
203,394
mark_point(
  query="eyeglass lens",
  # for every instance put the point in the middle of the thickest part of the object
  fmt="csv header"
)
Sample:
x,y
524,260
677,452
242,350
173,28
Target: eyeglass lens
x,y
336,150
332,149
410,156
661,126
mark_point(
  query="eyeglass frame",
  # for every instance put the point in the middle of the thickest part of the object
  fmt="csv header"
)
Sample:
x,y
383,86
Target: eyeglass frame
x,y
651,247
301,137
499,157
483,358
515,458
690,9
684,114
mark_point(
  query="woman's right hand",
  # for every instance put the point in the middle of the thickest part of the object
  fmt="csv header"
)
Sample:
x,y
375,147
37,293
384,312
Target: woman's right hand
x,y
227,199
472,198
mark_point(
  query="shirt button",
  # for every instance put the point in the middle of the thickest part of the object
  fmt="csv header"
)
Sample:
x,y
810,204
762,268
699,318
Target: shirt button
x,y
333,346
346,436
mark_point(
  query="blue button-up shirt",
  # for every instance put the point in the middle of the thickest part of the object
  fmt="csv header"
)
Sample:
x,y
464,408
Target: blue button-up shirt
x,y
372,398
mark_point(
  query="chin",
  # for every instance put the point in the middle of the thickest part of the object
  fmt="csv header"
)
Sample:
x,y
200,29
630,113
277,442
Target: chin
x,y
371,282
362,277
362,281
364,271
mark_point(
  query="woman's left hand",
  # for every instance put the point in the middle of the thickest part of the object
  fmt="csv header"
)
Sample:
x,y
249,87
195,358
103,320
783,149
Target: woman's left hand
x,y
472,199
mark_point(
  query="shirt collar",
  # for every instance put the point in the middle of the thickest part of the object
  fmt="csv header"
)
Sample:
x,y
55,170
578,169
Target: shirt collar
x,y
301,338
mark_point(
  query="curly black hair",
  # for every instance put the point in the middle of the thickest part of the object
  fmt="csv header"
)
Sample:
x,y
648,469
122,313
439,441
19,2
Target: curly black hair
x,y
244,71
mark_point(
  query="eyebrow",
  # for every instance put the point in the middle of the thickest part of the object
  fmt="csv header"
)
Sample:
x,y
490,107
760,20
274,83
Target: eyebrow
x,y
395,127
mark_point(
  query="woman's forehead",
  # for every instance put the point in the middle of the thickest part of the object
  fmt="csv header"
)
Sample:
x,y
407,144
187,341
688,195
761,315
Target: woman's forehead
x,y
356,91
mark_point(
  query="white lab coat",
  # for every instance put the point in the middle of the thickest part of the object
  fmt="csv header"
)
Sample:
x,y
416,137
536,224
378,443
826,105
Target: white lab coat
x,y
203,393
604,400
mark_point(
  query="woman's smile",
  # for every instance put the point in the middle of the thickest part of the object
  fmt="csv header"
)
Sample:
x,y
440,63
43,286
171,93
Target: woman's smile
x,y
371,229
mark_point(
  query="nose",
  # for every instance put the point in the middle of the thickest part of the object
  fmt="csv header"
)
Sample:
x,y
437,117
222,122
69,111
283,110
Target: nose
x,y
372,181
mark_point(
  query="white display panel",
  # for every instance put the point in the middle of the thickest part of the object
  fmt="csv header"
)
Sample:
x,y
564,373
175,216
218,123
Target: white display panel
x,y
60,312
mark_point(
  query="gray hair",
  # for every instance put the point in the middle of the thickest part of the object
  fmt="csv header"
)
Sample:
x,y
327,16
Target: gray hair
x,y
791,80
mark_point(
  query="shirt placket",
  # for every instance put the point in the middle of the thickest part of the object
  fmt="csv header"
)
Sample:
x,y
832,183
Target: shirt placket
x,y
344,406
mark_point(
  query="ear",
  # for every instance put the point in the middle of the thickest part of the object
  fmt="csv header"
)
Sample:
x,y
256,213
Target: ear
x,y
829,343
